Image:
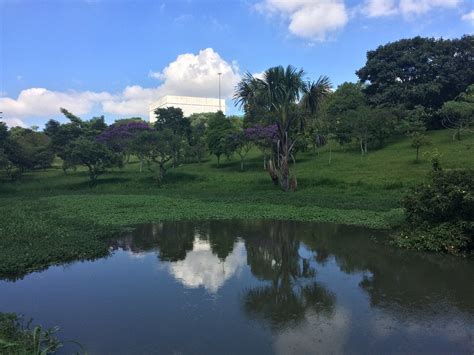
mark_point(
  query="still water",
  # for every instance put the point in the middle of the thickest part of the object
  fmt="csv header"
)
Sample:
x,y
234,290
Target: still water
x,y
254,287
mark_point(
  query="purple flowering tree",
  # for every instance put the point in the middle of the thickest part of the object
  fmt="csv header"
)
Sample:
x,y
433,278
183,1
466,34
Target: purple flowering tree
x,y
264,137
119,137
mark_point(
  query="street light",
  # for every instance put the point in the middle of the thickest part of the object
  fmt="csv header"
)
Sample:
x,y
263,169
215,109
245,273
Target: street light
x,y
219,91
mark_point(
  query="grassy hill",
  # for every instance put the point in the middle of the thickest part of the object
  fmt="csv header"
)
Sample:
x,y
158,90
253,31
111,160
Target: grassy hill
x,y
49,217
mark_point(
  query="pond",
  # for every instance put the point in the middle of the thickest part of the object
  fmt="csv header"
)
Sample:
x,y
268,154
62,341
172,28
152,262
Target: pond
x,y
254,287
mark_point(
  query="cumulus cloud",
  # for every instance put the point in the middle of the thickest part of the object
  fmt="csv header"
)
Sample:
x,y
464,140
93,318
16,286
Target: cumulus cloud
x,y
313,20
377,8
40,102
317,19
197,75
14,122
189,75
469,17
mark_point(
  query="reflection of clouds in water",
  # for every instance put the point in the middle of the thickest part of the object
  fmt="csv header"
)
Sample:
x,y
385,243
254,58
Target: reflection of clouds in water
x,y
319,334
454,328
202,268
135,255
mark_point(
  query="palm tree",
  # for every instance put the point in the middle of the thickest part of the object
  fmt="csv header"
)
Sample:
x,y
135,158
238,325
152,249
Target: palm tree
x,y
280,92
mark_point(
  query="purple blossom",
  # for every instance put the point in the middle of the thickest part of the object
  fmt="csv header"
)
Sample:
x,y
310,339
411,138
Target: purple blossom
x,y
118,136
262,134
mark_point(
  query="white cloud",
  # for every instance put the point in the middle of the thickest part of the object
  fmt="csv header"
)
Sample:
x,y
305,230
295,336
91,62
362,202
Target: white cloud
x,y
14,122
197,75
202,268
39,102
408,7
469,17
377,8
312,20
190,74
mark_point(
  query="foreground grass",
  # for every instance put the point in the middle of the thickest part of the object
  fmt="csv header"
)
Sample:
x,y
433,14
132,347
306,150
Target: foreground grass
x,y
50,218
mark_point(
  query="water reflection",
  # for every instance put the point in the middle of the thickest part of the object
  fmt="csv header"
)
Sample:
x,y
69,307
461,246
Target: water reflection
x,y
255,287
201,267
286,255
273,256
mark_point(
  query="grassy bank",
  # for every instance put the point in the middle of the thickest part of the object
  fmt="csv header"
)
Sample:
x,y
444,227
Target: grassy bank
x,y
49,217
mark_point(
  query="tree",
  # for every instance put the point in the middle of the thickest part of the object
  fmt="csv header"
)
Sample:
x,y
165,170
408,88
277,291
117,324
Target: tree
x,y
197,139
353,118
93,155
119,136
62,135
264,137
25,149
4,134
241,145
459,113
415,128
278,92
419,140
419,71
172,120
155,147
218,133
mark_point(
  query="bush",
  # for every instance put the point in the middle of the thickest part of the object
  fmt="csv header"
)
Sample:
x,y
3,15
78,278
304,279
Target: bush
x,y
440,214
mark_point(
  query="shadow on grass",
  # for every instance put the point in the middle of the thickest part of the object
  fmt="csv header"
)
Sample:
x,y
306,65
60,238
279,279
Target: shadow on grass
x,y
175,177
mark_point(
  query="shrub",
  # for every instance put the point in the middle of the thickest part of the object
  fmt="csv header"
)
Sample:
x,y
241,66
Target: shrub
x,y
440,214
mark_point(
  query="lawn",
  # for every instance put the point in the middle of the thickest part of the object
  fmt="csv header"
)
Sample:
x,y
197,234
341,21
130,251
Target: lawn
x,y
48,217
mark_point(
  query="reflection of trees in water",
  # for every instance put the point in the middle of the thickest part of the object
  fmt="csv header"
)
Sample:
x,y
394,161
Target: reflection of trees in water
x,y
272,254
395,280
172,240
399,279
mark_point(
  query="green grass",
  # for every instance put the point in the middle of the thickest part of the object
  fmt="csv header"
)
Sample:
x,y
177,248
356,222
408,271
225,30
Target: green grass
x,y
49,217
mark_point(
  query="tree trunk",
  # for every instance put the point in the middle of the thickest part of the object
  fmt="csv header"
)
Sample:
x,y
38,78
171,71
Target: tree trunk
x,y
175,159
161,173
330,151
242,164
218,159
284,168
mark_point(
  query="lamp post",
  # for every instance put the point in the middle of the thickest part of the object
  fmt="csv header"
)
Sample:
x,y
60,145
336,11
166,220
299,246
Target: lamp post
x,y
219,91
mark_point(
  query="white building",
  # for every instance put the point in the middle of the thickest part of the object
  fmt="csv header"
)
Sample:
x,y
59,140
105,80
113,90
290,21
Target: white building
x,y
188,104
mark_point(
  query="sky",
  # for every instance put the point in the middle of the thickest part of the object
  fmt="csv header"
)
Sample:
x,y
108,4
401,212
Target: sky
x,y
113,57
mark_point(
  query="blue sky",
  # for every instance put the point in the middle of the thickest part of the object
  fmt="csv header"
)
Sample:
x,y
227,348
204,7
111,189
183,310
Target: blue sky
x,y
112,57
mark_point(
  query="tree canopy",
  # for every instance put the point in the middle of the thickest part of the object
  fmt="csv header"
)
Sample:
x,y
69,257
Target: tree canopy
x,y
419,71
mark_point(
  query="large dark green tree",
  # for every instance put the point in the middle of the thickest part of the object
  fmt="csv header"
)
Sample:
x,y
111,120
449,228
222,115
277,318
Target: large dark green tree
x,y
63,134
97,157
353,119
172,121
25,149
278,93
419,71
219,133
